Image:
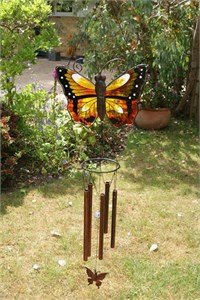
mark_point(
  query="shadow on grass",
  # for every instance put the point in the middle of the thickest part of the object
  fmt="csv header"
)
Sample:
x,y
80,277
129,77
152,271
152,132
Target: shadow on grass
x,y
66,185
152,159
14,199
163,158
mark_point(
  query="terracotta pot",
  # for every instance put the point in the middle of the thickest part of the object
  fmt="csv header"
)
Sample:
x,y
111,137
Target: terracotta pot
x,y
157,118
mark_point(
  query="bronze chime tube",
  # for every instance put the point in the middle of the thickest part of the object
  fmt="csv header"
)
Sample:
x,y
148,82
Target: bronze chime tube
x,y
86,223
107,190
101,226
90,189
114,213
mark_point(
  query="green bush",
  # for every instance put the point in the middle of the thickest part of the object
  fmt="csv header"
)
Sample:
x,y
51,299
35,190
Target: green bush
x,y
20,22
11,143
156,33
46,129
51,140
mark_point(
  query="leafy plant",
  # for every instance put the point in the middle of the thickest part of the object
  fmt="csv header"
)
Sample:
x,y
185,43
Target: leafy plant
x,y
159,95
50,136
25,28
46,128
157,33
11,143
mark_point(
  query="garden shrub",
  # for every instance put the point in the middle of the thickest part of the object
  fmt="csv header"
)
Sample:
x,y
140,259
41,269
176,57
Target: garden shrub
x,y
43,124
53,143
51,140
19,22
11,143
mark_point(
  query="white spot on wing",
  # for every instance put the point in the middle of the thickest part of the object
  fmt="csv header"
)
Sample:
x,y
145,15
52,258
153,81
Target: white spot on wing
x,y
76,77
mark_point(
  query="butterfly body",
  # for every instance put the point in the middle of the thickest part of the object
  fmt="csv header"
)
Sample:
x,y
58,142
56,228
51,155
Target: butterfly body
x,y
100,89
95,277
88,101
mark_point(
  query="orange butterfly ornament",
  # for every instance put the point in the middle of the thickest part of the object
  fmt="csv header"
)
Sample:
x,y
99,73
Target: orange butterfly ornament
x,y
88,101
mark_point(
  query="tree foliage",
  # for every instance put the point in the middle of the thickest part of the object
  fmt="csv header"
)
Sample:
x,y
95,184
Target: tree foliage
x,y
25,28
157,33
189,104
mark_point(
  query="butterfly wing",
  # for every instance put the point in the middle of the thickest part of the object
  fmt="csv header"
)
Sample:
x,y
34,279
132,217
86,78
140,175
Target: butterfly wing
x,y
91,276
81,95
122,95
99,278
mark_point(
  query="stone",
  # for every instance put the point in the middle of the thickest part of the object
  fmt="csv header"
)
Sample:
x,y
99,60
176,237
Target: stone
x,y
154,247
55,233
36,267
62,262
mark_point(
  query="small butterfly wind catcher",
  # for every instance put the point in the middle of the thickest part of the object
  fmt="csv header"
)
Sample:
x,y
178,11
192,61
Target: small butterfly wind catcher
x,y
87,102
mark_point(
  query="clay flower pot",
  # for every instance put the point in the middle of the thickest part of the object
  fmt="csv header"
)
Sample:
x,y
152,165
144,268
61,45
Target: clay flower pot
x,y
156,119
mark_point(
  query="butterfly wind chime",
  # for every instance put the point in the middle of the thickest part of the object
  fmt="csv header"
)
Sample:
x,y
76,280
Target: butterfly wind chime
x,y
88,101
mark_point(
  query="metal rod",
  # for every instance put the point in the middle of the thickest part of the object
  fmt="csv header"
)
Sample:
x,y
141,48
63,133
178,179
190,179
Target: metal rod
x,y
107,190
101,226
85,242
114,213
90,190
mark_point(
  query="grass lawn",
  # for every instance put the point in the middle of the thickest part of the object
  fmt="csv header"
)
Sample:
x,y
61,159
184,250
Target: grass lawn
x,y
158,202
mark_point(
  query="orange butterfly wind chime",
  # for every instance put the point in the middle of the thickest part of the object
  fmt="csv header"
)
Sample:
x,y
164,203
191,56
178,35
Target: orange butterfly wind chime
x,y
87,102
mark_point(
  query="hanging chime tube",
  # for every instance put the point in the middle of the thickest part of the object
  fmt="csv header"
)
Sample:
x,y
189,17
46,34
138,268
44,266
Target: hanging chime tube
x,y
86,223
114,213
107,190
90,189
101,226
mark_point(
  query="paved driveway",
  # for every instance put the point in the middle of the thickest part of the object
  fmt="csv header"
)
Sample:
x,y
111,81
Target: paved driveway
x,y
40,74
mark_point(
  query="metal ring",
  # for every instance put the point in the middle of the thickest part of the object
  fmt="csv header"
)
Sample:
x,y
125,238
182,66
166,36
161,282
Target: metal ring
x,y
86,165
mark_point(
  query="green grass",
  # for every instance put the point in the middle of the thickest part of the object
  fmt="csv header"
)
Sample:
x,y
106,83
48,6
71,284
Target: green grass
x,y
158,202
155,281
